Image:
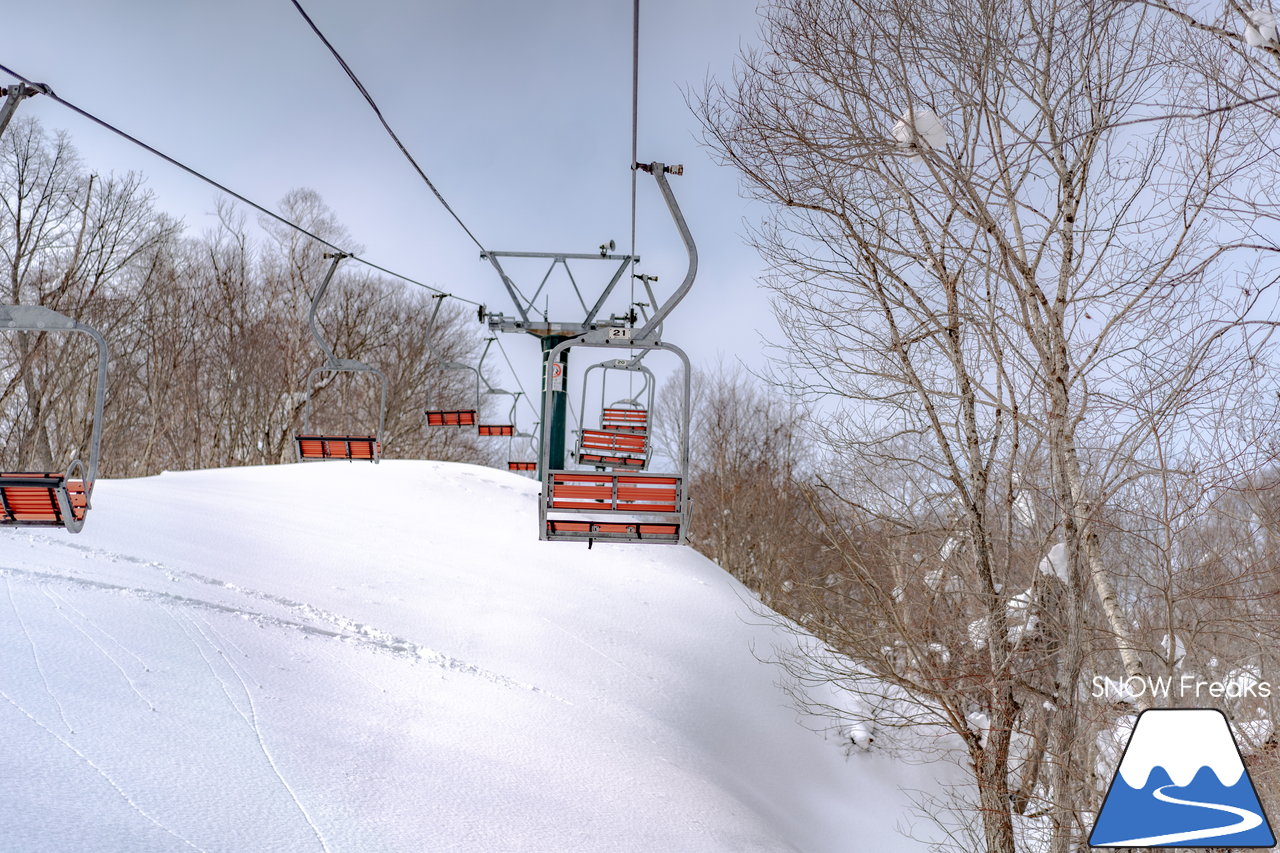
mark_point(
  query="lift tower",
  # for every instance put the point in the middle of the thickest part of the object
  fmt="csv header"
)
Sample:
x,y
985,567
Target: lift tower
x,y
616,328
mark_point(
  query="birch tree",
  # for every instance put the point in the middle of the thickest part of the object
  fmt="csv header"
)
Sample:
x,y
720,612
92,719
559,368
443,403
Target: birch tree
x,y
1013,302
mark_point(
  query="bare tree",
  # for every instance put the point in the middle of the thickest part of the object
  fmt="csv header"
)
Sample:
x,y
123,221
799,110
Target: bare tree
x,y
209,338
79,244
749,464
1010,305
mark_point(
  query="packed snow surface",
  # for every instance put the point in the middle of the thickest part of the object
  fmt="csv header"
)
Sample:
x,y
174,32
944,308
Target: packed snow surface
x,y
347,657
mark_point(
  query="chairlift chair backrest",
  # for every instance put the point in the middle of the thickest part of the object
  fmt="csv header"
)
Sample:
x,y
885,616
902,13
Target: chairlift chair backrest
x,y
44,498
622,439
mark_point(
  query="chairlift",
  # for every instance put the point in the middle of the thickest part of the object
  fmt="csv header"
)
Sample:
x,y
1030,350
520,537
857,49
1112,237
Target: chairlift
x,y
622,440
623,506
507,430
53,499
522,464
315,447
437,415
631,505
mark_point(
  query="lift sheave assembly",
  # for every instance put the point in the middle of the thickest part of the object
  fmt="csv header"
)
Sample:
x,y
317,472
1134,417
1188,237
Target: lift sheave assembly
x,y
47,498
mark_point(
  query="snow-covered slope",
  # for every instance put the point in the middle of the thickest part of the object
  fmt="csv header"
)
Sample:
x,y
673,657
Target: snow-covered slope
x,y
343,657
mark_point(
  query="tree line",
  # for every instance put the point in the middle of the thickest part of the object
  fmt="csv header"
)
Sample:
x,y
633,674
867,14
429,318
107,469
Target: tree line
x,y
210,346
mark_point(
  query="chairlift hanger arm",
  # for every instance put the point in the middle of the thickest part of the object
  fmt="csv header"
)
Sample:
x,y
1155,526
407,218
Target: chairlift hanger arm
x,y
16,93
333,364
36,318
659,172
337,257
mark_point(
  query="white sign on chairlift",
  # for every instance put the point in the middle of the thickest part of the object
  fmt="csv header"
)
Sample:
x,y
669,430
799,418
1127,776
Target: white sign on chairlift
x,y
619,333
557,376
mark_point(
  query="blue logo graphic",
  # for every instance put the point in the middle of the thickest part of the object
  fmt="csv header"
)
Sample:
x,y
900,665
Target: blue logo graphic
x,y
1182,783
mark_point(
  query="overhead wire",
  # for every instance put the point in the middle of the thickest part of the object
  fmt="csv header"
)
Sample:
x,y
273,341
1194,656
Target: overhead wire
x,y
519,384
378,112
635,121
45,90
373,105
635,133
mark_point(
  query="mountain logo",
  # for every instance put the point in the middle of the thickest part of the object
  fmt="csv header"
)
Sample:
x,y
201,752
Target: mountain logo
x,y
1181,783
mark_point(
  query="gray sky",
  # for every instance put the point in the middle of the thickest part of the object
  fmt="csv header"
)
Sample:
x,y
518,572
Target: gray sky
x,y
518,111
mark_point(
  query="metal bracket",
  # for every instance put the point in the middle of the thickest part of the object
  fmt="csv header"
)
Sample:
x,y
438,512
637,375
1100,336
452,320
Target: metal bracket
x,y
14,95
525,305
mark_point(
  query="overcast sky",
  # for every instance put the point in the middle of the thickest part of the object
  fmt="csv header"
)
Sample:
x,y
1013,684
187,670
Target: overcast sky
x,y
518,111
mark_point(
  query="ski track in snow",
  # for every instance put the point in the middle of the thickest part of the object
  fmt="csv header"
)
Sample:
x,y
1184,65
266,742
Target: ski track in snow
x,y
343,628
649,681
87,620
36,657
100,771
128,679
251,717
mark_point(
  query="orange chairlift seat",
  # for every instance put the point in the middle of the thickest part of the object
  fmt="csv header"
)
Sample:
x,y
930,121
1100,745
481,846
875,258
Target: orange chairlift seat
x,y
46,498
316,447
311,447
622,441
463,417
637,495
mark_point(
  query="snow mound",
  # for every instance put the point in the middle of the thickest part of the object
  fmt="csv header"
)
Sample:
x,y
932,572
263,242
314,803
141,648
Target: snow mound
x,y
346,657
